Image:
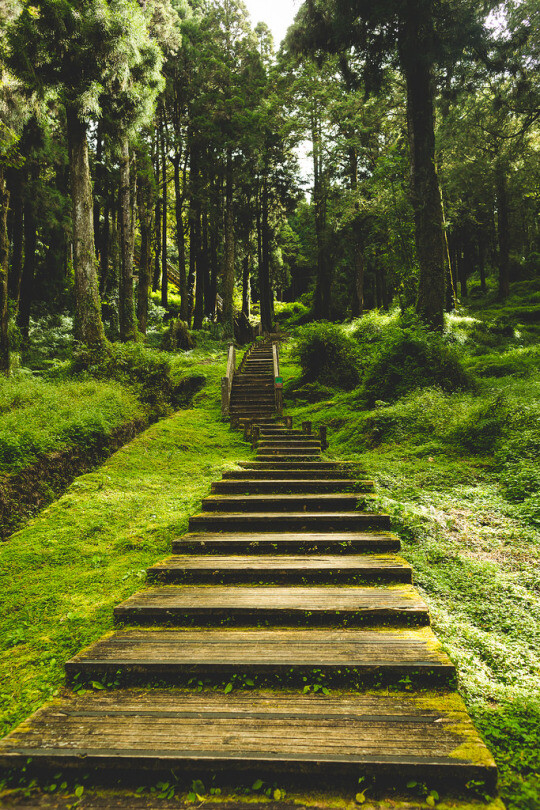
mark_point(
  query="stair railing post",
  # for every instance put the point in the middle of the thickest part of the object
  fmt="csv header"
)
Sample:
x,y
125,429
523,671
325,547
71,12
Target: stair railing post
x,y
306,428
323,437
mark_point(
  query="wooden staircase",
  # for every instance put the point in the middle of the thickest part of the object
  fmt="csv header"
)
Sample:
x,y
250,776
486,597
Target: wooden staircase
x,y
290,587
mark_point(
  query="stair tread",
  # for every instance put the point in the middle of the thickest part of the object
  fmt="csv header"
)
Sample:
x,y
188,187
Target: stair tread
x,y
261,599
424,733
278,562
286,647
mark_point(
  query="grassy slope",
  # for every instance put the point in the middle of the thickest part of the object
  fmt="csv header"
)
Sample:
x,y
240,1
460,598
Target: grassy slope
x,y
61,576
476,554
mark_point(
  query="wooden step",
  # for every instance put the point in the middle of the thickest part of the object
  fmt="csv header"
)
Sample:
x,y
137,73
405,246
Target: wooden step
x,y
310,606
277,456
340,656
316,477
316,502
284,521
276,484
394,737
275,569
307,464
267,542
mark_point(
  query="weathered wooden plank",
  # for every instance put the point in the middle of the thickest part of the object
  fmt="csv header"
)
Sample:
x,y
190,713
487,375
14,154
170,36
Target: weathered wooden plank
x,y
346,655
304,605
426,735
286,502
281,568
267,542
288,521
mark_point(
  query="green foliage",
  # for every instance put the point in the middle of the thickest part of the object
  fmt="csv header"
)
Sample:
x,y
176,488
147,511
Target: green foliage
x,y
177,336
413,358
61,576
41,416
327,356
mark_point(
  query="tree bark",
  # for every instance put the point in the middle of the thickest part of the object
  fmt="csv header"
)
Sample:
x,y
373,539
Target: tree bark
x,y
246,287
30,246
503,232
88,323
179,199
228,279
17,235
323,283
164,273
416,49
128,329
265,288
144,196
4,254
157,223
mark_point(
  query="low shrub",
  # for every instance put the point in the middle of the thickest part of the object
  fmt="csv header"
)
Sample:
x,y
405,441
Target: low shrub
x,y
484,425
327,356
411,358
177,336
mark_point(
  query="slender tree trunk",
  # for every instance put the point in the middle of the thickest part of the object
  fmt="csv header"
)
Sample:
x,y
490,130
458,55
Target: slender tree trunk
x,y
246,287
145,220
503,232
178,194
164,274
4,253
265,288
105,236
88,324
128,329
228,279
157,223
30,246
198,312
323,283
416,47
98,190
482,264
214,264
17,238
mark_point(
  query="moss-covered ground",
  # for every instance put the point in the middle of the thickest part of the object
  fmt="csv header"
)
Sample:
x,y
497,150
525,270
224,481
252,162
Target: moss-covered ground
x,y
61,576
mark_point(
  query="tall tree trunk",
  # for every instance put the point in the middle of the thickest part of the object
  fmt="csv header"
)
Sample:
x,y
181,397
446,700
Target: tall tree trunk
x,y
157,223
144,193
503,232
416,48
128,329
228,276
4,253
482,263
246,287
265,288
30,247
323,283
210,304
198,312
17,235
105,236
98,191
178,202
88,324
164,273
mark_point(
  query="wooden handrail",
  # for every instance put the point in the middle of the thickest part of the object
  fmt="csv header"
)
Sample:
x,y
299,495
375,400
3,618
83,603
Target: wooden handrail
x,y
227,381
278,382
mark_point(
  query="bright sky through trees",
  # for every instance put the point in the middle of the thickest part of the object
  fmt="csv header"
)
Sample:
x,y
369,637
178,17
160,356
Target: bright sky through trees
x,y
277,14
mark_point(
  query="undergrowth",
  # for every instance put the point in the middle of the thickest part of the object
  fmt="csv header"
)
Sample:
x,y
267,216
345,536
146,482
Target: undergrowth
x,y
458,469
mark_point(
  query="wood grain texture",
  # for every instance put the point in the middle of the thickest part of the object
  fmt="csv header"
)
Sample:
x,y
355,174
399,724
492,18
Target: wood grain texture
x,y
424,735
307,605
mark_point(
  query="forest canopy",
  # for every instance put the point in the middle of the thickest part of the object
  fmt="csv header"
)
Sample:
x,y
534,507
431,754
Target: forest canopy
x,y
155,147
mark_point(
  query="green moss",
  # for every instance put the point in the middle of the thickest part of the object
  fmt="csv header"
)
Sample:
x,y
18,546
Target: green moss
x,y
61,576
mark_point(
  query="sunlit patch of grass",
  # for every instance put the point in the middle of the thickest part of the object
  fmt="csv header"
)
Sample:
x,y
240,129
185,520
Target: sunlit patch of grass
x,y
61,576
